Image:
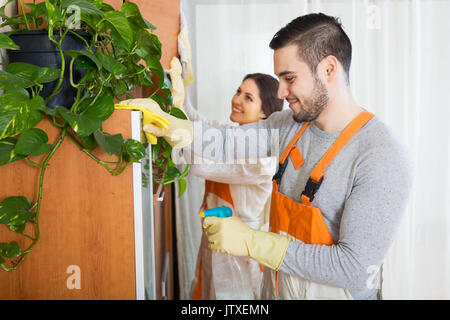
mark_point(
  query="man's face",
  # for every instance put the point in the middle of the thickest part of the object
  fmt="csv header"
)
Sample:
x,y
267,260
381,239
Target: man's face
x,y
303,90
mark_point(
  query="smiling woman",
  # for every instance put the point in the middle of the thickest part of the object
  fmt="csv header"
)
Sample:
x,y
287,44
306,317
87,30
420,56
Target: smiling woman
x,y
246,104
222,276
255,99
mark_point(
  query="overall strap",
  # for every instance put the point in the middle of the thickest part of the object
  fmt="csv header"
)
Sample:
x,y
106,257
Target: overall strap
x,y
317,174
283,163
221,190
292,142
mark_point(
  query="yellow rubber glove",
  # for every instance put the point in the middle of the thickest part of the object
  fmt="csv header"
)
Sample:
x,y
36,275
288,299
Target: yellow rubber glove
x,y
185,48
178,133
232,236
177,89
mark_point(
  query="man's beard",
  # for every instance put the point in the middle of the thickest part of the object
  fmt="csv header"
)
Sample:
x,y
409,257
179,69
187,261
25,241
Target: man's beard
x,y
313,106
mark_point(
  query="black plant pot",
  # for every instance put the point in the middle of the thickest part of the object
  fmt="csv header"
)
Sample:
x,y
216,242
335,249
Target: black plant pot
x,y
37,49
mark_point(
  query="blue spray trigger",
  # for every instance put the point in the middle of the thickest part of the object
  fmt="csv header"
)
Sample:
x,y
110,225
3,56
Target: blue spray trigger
x,y
221,212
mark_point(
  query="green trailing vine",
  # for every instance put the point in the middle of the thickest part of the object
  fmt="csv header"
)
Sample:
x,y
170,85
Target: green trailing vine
x,y
116,43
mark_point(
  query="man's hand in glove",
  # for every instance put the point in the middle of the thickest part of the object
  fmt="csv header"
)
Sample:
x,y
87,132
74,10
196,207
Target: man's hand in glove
x,y
232,236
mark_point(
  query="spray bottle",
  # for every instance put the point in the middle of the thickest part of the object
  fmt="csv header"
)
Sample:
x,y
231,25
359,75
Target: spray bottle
x,y
230,274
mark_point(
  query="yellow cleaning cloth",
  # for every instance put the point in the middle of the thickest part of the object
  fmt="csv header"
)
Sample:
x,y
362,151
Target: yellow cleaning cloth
x,y
148,118
157,123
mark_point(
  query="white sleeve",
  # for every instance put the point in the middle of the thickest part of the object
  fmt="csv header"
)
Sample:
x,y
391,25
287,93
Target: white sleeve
x,y
254,172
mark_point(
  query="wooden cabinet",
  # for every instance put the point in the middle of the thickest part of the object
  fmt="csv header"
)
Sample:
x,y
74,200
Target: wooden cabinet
x,y
87,220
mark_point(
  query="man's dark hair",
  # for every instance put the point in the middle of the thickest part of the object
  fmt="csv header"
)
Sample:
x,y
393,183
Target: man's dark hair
x,y
268,87
317,36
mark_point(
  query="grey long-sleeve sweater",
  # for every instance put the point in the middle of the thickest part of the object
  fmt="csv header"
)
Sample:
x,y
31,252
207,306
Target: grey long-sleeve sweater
x,y
363,196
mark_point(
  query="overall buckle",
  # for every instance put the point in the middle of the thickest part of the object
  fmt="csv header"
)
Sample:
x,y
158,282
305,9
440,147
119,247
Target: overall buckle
x,y
277,177
311,188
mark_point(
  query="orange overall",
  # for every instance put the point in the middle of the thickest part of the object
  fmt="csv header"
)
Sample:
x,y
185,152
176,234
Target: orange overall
x,y
302,221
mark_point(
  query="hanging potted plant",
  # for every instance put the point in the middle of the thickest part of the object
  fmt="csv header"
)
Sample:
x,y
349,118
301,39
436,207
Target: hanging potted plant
x,y
69,61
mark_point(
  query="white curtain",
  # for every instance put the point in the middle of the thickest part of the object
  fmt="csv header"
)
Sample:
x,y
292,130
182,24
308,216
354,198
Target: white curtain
x,y
399,71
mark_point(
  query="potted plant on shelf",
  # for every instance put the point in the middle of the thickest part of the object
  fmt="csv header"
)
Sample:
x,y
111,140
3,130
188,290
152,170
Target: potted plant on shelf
x,y
69,61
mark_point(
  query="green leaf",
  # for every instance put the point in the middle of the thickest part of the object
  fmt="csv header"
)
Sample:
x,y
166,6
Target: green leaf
x,y
178,113
166,83
145,79
186,171
167,152
88,142
106,7
103,108
182,187
18,112
14,211
112,144
84,105
90,21
7,43
120,23
148,45
118,41
111,64
51,10
10,250
32,142
120,88
83,125
84,53
47,110
9,81
104,81
45,75
149,25
19,228
54,14
131,11
160,163
85,63
154,64
22,69
33,73
36,10
13,22
160,100
168,99
85,6
7,153
173,172
133,150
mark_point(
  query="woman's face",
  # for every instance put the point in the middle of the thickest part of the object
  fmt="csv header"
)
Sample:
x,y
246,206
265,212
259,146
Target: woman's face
x,y
246,105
